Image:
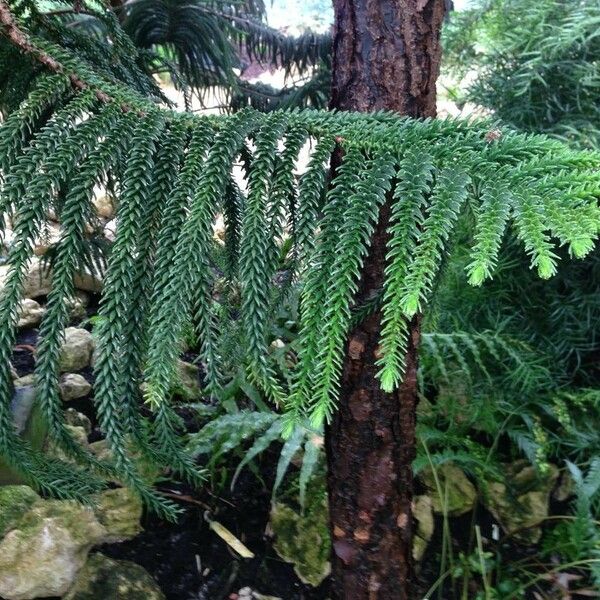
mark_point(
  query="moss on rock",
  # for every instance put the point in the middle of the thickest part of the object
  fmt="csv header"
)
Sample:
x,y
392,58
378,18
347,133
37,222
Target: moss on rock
x,y
450,490
119,511
423,515
15,500
520,503
41,555
303,540
108,579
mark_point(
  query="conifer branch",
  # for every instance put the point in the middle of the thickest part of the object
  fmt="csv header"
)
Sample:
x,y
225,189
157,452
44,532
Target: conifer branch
x,y
21,40
174,173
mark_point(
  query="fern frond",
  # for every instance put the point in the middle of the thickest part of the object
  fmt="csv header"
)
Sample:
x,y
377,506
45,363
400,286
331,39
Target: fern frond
x,y
230,431
261,443
227,432
290,447
310,461
471,355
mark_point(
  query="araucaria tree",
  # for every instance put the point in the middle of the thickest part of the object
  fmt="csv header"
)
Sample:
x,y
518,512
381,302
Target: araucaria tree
x,y
390,64
367,246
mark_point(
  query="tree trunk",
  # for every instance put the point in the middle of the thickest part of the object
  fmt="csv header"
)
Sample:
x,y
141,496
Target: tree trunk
x,y
386,55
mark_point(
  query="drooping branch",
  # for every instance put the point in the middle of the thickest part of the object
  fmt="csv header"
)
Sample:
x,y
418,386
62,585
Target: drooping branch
x,y
21,40
553,195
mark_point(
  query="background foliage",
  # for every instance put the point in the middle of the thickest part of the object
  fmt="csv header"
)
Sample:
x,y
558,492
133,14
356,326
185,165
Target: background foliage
x,y
509,369
535,64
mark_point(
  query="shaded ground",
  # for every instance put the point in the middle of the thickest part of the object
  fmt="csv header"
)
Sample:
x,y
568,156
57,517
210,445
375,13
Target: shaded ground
x,y
189,561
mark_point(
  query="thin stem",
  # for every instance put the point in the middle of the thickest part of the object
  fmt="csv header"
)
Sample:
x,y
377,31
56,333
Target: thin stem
x,y
486,585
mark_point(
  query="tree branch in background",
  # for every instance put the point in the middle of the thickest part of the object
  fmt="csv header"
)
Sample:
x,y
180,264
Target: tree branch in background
x,y
19,38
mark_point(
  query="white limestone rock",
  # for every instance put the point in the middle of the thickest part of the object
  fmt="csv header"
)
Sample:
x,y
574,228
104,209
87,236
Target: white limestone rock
x,y
73,386
31,313
76,351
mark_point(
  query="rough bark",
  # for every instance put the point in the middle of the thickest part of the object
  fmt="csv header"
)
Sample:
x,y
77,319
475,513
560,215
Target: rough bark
x,y
386,55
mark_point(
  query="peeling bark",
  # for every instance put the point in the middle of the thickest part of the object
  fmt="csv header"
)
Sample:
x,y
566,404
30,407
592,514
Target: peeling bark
x,y
386,55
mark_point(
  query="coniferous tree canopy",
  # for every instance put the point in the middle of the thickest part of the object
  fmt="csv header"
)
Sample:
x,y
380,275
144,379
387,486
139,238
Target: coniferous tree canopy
x,y
203,46
85,119
536,63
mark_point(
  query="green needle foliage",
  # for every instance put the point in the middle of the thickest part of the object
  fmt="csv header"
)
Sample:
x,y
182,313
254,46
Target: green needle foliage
x,y
203,46
174,173
536,63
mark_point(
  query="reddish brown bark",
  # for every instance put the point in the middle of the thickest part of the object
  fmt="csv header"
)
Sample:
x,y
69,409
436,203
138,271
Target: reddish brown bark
x,y
386,55
10,30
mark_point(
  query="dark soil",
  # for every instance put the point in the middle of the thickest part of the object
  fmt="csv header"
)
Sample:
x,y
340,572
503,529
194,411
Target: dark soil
x,y
23,358
189,561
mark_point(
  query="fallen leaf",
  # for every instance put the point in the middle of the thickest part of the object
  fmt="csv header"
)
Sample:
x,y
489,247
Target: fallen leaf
x,y
230,539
